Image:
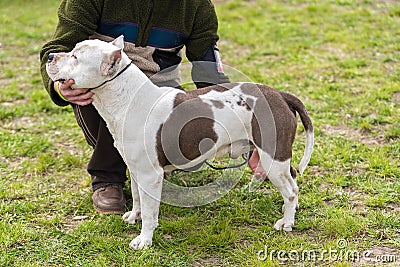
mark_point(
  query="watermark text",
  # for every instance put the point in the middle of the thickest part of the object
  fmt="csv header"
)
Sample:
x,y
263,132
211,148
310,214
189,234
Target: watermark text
x,y
340,253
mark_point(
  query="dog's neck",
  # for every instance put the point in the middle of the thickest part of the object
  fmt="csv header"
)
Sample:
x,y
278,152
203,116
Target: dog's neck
x,y
132,91
113,78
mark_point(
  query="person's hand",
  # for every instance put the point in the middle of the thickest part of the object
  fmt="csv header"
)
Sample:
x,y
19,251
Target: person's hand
x,y
80,97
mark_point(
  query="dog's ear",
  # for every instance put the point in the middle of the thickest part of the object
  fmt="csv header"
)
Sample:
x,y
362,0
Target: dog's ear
x,y
110,60
119,42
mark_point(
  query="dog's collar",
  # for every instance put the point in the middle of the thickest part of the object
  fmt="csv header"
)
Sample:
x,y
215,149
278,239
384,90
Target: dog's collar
x,y
113,78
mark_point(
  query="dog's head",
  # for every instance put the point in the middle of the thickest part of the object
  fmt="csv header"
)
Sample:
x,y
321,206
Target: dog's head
x,y
89,64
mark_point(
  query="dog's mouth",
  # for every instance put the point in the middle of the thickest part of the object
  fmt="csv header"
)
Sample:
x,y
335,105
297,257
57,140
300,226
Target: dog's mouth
x,y
54,74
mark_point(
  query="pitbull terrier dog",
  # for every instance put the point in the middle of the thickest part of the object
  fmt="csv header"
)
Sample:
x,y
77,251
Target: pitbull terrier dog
x,y
157,129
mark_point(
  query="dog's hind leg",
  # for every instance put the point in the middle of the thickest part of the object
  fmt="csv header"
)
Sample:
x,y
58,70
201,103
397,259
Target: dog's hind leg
x,y
289,191
279,174
149,189
293,174
295,189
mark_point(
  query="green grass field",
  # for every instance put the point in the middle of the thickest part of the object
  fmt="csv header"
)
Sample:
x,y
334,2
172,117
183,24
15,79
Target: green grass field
x,y
341,57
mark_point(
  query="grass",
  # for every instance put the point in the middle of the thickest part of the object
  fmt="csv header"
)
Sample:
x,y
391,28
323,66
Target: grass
x,y
341,57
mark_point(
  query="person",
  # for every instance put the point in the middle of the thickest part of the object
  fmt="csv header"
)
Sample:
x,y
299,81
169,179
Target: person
x,y
155,33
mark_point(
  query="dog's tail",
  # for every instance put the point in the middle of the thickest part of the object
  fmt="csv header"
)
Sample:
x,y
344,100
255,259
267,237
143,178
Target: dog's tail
x,y
297,106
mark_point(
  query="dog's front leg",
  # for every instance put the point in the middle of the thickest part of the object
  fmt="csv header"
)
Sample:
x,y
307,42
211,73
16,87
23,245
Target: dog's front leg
x,y
149,188
135,214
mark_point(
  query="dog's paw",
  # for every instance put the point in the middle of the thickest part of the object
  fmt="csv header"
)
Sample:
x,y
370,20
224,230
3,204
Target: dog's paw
x,y
140,242
131,217
282,225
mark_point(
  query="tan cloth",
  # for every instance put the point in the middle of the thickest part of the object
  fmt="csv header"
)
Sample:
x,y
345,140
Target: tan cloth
x,y
142,57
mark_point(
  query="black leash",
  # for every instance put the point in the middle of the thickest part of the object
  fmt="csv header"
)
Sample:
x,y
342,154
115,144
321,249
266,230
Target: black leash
x,y
246,160
194,168
113,78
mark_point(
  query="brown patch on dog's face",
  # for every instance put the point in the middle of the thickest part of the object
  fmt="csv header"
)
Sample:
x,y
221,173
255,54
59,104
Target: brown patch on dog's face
x,y
273,123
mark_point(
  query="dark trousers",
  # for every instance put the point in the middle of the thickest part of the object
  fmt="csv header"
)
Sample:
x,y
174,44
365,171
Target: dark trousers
x,y
106,165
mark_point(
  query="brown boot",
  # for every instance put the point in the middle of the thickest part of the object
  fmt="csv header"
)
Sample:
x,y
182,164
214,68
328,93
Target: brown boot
x,y
109,199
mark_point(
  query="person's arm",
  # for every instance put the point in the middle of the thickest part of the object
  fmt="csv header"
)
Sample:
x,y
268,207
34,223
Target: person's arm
x,y
201,48
209,70
77,20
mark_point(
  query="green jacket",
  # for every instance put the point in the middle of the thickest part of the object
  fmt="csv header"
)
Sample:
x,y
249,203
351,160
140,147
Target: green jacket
x,y
155,31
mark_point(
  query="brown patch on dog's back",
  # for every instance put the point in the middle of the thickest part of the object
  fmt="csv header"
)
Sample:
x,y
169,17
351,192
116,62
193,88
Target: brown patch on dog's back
x,y
202,91
188,132
249,104
273,123
218,104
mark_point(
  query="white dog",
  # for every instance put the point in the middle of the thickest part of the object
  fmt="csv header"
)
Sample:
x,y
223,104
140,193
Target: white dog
x,y
157,129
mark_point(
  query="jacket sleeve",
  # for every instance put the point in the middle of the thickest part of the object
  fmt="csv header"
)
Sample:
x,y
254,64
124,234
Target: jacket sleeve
x,y
77,20
201,48
209,70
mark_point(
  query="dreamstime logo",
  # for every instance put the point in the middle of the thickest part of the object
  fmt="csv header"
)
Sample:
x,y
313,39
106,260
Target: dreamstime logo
x,y
342,252
190,116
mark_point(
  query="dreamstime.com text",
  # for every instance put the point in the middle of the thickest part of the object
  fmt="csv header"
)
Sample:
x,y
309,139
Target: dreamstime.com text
x,y
341,253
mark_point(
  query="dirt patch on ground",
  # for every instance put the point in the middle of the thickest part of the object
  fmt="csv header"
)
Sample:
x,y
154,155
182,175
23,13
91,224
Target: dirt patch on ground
x,y
14,103
19,123
396,97
317,171
5,81
355,197
353,134
72,222
208,262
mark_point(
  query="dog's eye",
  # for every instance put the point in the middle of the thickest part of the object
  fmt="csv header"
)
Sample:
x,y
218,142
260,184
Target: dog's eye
x,y
74,57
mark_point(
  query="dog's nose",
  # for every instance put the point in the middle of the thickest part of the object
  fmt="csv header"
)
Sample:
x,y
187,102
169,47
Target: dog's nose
x,y
50,58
